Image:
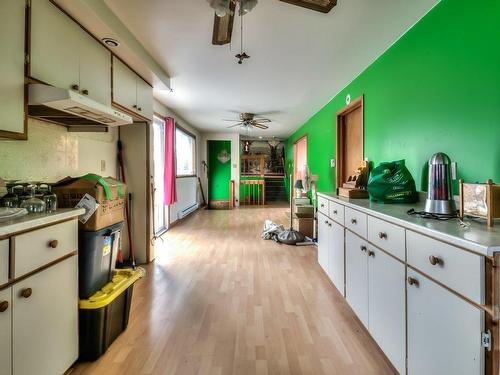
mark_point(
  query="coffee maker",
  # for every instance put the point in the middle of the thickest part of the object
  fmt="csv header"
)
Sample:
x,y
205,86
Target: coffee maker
x,y
439,193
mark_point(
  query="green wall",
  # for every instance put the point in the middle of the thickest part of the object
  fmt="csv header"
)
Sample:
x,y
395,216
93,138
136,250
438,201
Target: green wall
x,y
219,174
436,89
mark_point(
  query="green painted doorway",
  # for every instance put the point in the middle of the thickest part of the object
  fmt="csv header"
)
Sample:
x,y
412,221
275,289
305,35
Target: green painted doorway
x,y
219,174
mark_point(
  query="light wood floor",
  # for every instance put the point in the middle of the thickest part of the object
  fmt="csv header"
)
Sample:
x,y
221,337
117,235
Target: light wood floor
x,y
219,300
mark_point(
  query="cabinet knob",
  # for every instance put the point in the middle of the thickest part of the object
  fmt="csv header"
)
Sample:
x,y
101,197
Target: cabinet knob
x,y
140,109
382,235
75,87
53,244
434,260
4,305
326,221
363,248
371,253
335,212
412,281
322,205
26,293
330,225
354,221
85,92
134,106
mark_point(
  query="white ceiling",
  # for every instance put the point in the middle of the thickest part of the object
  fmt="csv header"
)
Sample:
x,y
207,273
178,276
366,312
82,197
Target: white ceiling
x,y
299,58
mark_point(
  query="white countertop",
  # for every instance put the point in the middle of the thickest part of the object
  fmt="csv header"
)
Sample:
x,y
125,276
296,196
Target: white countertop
x,y
32,221
478,237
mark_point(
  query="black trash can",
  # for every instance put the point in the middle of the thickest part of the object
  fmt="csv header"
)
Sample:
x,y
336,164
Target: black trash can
x,y
97,255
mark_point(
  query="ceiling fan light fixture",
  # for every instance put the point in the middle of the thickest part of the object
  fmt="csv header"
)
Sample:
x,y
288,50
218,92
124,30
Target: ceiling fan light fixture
x,y
221,7
247,6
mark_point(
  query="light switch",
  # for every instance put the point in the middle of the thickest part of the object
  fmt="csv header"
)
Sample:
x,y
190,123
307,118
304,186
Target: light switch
x,y
333,163
103,165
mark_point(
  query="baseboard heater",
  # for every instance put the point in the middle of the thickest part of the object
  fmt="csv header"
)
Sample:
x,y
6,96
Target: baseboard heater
x,y
187,211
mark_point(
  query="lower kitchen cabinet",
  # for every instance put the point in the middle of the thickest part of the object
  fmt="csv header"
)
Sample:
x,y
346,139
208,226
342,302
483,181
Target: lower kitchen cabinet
x,y
5,331
356,269
386,305
323,242
45,320
444,331
331,250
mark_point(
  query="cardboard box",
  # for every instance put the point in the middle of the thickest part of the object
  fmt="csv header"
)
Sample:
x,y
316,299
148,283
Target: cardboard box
x,y
108,192
304,225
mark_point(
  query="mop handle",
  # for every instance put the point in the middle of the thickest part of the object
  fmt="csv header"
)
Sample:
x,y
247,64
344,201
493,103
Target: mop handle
x,y
291,197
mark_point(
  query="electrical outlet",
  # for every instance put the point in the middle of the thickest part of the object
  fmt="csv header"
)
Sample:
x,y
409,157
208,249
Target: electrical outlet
x,y
103,165
333,163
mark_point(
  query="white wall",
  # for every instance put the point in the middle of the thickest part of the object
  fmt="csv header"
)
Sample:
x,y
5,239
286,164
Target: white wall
x,y
160,109
235,159
52,153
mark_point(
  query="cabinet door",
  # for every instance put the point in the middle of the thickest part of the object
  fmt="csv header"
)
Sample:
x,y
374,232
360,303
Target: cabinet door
x,y
12,63
144,99
124,86
356,271
95,69
336,260
386,307
5,332
45,324
54,57
444,331
323,242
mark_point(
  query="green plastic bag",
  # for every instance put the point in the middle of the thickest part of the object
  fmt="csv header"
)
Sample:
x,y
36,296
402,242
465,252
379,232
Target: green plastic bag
x,y
391,182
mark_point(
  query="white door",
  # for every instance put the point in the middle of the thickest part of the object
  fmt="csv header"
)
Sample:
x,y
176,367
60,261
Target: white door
x,y
124,86
54,55
47,344
323,242
12,66
336,260
95,69
386,296
5,332
160,210
357,275
444,331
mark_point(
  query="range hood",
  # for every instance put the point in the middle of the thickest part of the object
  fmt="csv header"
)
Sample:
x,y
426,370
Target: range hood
x,y
69,108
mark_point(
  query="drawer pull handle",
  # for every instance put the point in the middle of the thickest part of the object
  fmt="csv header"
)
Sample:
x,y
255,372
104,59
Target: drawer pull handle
x,y
412,281
85,92
382,235
4,305
435,260
335,212
330,225
363,248
354,221
371,254
53,244
75,87
26,293
326,221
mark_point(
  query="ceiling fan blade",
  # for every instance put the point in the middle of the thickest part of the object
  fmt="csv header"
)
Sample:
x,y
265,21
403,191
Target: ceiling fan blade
x,y
262,120
232,126
323,6
260,126
233,120
223,27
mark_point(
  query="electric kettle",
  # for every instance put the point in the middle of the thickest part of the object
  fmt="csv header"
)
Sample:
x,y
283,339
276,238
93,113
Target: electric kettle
x,y
439,193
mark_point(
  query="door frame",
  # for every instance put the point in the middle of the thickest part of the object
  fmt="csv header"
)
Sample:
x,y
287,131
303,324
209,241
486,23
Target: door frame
x,y
166,209
340,137
294,175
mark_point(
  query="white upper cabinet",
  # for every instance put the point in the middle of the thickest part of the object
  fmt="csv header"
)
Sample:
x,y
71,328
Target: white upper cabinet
x,y
95,70
12,69
130,91
444,331
62,54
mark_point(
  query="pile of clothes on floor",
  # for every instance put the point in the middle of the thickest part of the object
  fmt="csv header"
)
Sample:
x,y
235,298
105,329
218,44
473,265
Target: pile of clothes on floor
x,y
271,231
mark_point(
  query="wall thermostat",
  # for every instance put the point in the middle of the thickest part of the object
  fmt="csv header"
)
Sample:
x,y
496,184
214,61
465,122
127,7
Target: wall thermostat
x,y
348,99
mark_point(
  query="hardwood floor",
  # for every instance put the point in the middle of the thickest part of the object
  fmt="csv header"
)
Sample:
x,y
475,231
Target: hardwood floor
x,y
219,300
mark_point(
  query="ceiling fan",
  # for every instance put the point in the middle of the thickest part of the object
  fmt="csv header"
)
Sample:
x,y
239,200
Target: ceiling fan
x,y
248,121
225,12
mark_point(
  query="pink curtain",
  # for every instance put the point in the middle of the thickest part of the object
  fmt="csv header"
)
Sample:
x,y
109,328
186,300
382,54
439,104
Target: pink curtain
x,y
170,193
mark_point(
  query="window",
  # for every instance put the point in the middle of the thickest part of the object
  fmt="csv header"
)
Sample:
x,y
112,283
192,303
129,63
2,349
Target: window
x,y
185,152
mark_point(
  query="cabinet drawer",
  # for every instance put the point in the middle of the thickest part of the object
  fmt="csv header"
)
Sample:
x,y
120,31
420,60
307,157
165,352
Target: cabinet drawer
x,y
337,212
456,268
40,247
4,261
355,221
387,236
323,205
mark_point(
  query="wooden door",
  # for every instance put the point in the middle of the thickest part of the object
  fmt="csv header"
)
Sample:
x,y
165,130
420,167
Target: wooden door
x,y
336,260
444,331
386,318
350,140
5,332
323,242
54,54
356,270
124,86
47,344
95,69
12,68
